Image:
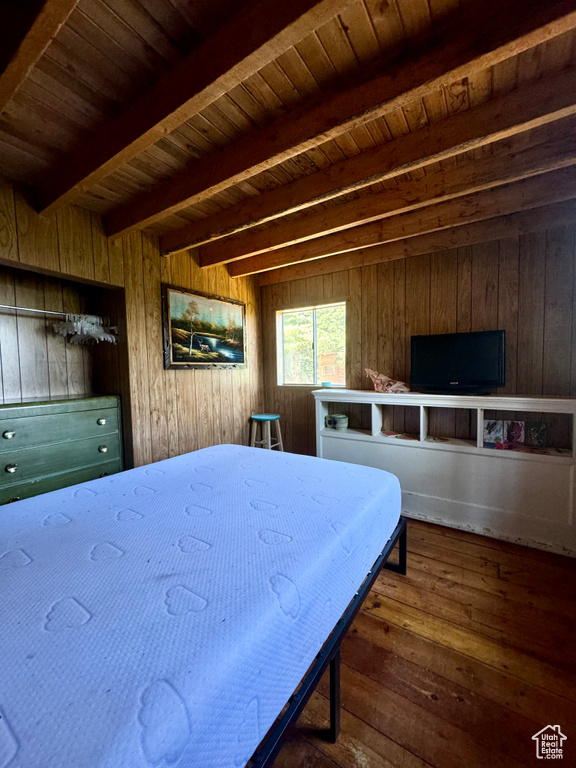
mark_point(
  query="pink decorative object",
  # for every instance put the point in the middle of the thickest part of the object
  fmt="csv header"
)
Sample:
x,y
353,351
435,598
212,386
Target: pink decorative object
x,y
383,383
514,433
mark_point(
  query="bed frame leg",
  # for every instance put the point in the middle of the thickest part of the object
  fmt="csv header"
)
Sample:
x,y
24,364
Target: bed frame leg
x,y
400,566
334,731
402,546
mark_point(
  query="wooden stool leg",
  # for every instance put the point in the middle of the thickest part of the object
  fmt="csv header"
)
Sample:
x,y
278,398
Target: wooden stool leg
x,y
279,435
253,434
267,435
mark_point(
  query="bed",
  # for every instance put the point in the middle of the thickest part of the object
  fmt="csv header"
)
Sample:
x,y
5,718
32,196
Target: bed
x,y
165,615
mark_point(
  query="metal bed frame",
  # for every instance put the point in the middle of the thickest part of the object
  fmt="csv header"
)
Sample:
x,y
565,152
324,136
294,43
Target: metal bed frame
x,y
330,655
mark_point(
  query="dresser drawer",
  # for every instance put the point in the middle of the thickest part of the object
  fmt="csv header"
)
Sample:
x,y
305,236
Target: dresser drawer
x,y
48,459
30,431
59,480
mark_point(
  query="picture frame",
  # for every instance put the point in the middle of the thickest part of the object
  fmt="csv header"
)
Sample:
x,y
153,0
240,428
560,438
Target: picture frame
x,y
202,330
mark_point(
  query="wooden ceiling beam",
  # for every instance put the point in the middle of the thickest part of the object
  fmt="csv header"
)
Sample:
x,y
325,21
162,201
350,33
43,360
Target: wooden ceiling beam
x,y
485,33
258,33
541,190
38,24
529,107
513,225
510,160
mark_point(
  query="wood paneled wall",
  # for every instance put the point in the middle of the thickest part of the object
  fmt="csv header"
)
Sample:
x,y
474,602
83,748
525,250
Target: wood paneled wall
x,y
35,362
524,285
167,412
179,411
72,244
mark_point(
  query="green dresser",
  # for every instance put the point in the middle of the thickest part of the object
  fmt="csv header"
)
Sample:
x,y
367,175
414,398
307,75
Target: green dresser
x,y
46,445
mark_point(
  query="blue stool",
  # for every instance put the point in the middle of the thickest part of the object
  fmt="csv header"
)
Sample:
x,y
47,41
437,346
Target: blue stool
x,y
267,441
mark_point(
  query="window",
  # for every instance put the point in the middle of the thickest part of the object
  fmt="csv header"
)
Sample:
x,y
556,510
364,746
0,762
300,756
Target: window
x,y
312,345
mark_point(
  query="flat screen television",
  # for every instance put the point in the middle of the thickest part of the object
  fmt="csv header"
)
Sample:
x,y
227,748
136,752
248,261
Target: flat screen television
x,y
459,363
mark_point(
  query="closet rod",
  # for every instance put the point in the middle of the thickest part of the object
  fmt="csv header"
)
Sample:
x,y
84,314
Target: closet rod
x,y
29,309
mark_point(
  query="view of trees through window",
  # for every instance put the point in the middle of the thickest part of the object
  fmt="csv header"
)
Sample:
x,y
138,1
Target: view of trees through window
x,y
314,345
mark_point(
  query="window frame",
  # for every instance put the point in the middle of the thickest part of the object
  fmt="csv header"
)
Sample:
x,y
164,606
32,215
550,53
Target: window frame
x,y
280,344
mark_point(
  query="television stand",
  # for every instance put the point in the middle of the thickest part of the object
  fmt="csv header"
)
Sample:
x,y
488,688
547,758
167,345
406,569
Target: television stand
x,y
526,497
471,393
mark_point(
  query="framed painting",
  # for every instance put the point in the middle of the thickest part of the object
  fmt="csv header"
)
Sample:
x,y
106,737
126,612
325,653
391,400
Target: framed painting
x,y
202,330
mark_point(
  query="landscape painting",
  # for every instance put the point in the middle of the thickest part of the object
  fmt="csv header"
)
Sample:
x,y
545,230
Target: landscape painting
x,y
202,330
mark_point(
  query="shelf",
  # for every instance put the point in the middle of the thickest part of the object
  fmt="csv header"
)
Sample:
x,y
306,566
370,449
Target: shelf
x,y
409,437
564,453
348,434
378,434
456,481
535,404
430,439
448,444
457,442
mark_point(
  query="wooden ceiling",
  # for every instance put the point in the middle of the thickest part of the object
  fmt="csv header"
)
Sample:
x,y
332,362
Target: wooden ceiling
x,y
299,138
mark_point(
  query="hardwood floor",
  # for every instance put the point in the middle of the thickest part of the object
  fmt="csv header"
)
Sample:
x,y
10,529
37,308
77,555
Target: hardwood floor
x,y
456,665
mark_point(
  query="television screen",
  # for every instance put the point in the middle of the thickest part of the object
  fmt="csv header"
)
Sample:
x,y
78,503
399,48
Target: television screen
x,y
458,362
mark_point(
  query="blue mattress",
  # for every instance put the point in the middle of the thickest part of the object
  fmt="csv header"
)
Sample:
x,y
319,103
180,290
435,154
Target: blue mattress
x,y
163,616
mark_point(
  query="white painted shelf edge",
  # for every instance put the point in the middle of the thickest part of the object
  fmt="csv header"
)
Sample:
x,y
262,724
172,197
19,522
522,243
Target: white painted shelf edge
x,y
486,402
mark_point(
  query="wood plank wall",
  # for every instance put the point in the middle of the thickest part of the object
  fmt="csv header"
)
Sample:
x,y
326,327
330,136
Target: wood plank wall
x,y
168,412
524,285
35,362
180,411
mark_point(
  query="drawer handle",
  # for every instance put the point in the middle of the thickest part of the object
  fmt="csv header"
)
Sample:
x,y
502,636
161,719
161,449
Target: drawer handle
x,y
8,435
103,449
11,468
14,498
101,422
103,474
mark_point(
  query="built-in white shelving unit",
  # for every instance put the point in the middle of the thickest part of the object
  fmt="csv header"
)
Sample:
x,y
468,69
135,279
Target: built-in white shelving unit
x,y
509,494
